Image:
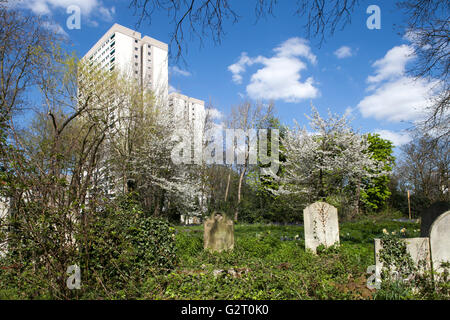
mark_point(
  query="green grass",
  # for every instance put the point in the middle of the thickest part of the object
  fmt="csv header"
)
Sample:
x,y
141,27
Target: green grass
x,y
265,267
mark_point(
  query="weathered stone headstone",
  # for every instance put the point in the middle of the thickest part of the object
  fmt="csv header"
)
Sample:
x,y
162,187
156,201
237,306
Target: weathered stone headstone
x,y
219,233
418,249
440,241
430,215
321,225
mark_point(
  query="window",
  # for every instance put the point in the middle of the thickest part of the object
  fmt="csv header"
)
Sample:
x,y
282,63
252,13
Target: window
x,y
112,37
136,56
135,48
114,50
136,64
149,53
135,41
113,43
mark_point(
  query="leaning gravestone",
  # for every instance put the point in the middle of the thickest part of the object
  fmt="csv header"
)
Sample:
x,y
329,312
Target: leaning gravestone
x,y
418,249
219,233
321,225
440,241
430,215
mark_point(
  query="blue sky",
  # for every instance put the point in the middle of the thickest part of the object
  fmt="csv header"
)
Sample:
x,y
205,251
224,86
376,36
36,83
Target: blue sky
x,y
357,71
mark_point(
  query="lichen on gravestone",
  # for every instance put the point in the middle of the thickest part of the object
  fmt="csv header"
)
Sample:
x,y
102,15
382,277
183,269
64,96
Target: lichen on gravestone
x,y
218,233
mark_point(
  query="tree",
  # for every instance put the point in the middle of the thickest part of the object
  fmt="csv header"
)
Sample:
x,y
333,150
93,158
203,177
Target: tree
x,y
376,191
424,168
25,45
263,183
428,27
161,181
330,159
247,117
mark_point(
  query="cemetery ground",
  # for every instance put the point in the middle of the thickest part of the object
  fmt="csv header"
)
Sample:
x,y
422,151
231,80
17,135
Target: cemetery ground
x,y
270,262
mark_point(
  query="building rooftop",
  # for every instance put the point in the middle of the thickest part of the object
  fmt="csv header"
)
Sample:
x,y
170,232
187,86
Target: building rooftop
x,y
129,32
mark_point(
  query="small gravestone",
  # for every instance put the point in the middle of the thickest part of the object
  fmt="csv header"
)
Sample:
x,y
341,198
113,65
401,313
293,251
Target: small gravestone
x,y
219,233
321,225
418,249
440,241
430,215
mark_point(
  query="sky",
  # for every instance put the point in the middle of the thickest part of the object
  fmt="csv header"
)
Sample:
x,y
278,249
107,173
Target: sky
x,y
357,71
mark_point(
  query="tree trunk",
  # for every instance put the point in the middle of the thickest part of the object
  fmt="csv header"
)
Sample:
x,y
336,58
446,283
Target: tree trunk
x,y
228,186
358,192
241,178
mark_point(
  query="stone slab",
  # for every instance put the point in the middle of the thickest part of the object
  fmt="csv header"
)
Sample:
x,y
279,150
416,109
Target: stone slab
x,y
218,233
418,248
440,241
321,225
429,215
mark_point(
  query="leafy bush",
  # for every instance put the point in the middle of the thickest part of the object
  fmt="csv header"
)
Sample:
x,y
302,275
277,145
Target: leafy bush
x,y
127,244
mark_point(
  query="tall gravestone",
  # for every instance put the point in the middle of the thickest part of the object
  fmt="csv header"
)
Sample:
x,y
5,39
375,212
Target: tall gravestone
x,y
219,233
429,215
440,241
321,225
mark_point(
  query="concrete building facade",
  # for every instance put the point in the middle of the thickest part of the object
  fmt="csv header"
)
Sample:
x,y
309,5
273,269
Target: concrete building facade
x,y
142,58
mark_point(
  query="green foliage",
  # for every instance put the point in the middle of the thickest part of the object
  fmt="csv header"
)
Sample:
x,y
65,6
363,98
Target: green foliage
x,y
122,246
395,258
268,262
126,244
376,190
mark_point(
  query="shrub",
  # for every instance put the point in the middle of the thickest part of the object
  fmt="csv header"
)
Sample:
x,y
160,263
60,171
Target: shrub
x,y
125,246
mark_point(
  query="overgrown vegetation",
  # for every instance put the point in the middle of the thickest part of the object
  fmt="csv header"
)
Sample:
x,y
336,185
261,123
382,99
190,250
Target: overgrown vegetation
x,y
90,181
269,262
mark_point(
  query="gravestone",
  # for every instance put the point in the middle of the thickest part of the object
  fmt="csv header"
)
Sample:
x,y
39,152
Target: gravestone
x,y
218,233
440,241
430,215
321,225
418,249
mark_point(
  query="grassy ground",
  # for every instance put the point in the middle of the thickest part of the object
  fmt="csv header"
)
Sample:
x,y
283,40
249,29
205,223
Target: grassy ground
x,y
270,262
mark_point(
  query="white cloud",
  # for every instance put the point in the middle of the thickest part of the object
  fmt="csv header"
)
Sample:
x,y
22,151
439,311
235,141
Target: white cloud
x,y
393,96
107,13
56,28
87,7
343,52
239,67
179,72
397,138
279,78
392,64
214,113
349,111
173,89
402,100
46,6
